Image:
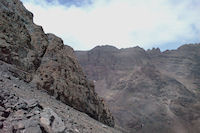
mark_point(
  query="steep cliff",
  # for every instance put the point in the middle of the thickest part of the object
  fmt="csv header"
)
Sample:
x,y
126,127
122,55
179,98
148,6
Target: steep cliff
x,y
148,91
26,109
42,59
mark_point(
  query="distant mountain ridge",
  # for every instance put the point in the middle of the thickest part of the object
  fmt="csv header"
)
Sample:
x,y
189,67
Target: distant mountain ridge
x,y
148,91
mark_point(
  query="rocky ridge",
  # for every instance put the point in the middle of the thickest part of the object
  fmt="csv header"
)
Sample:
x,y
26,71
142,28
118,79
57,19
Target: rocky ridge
x,y
148,91
44,61
26,109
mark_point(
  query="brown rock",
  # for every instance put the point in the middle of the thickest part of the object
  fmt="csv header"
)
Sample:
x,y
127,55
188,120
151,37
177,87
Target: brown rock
x,y
61,75
147,90
46,61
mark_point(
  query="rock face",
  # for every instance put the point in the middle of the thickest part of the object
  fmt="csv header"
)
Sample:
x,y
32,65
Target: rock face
x,y
61,75
42,59
148,91
26,109
17,115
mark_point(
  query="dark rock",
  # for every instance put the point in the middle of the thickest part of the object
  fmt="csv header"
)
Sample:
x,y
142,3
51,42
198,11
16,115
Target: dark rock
x,y
1,125
6,113
42,59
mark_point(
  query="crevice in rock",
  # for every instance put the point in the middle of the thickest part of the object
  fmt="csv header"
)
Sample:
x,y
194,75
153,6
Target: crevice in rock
x,y
43,129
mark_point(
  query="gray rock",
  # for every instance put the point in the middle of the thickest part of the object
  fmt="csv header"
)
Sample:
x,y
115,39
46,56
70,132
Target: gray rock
x,y
51,122
35,129
44,60
32,102
2,109
20,105
19,126
18,115
2,118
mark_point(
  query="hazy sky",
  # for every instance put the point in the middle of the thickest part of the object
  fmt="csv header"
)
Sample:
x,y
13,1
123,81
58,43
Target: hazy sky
x,y
83,24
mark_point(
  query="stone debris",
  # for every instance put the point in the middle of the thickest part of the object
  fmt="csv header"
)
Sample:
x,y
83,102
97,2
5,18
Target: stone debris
x,y
43,59
42,86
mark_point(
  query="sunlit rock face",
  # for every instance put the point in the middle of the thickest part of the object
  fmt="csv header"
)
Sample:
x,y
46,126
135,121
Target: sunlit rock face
x,y
43,59
148,91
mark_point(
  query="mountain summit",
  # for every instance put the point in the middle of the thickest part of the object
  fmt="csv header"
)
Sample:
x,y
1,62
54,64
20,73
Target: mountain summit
x,y
148,91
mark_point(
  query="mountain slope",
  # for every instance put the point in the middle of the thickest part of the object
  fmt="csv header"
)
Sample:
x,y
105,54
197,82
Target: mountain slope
x,y
44,61
24,108
148,91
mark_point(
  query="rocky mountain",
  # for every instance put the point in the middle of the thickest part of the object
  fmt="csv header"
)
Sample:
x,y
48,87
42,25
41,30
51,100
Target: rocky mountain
x,y
148,91
38,74
26,109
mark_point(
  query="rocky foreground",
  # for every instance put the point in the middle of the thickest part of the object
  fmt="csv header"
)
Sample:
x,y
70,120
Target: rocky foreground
x,y
39,77
26,109
148,91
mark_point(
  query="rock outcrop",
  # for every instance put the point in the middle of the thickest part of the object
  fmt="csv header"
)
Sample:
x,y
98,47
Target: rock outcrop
x,y
26,109
148,91
60,74
42,59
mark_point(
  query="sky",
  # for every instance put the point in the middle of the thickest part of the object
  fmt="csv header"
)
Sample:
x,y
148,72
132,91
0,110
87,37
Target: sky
x,y
84,24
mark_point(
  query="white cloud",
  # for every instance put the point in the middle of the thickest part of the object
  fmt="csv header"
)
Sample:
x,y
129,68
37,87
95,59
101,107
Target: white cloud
x,y
122,23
